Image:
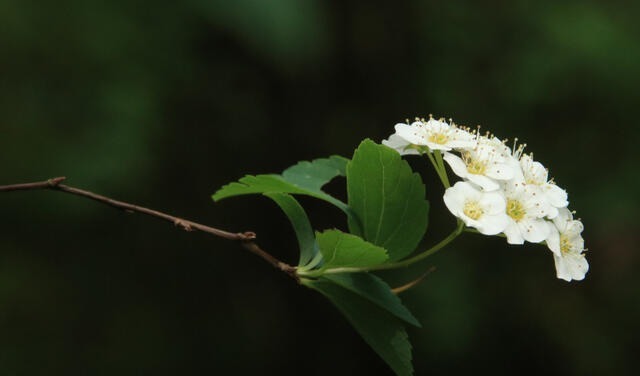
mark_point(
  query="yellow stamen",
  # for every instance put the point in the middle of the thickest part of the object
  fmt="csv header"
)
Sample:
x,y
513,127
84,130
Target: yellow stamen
x,y
565,245
439,138
474,166
515,210
473,210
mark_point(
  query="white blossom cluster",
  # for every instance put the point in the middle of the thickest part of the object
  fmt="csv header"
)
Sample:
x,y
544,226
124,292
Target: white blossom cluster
x,y
502,191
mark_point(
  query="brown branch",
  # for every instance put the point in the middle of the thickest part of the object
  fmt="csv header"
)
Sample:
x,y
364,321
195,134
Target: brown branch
x,y
246,238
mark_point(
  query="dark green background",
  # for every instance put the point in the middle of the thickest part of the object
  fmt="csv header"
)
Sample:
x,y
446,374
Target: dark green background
x,y
162,103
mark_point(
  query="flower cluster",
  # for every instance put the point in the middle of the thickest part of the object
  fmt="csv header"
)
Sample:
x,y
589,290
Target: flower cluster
x,y
503,190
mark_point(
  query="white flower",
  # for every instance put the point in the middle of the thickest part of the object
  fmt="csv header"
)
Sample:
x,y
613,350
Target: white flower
x,y
526,209
566,243
401,145
485,165
534,173
484,211
435,134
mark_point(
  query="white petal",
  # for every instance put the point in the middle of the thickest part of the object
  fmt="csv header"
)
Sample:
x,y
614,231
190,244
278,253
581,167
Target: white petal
x,y
400,145
410,133
454,200
562,219
576,243
571,266
500,171
493,224
518,175
457,165
531,197
436,125
468,190
562,270
534,230
556,195
513,233
553,240
533,171
578,266
436,146
552,212
464,143
487,184
469,222
574,228
493,203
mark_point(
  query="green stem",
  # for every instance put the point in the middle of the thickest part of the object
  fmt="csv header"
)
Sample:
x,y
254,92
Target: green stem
x,y
433,162
421,256
444,177
317,259
394,265
436,167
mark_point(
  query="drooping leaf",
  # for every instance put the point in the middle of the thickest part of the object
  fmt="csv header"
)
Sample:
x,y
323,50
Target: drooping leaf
x,y
346,250
313,175
382,331
300,222
387,198
376,291
304,178
251,184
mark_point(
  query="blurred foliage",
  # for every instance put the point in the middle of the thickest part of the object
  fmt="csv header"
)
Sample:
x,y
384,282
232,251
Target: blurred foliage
x,y
161,104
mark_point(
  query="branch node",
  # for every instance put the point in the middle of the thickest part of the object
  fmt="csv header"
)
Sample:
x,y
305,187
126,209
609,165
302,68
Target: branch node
x,y
186,225
247,236
53,182
290,270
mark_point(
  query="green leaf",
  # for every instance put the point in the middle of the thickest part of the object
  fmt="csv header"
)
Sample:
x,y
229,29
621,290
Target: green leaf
x,y
345,250
382,331
301,225
304,178
313,175
387,198
376,291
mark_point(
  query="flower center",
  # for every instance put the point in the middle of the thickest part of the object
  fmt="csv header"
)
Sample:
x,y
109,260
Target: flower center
x,y
474,166
515,210
473,210
565,245
438,138
532,181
